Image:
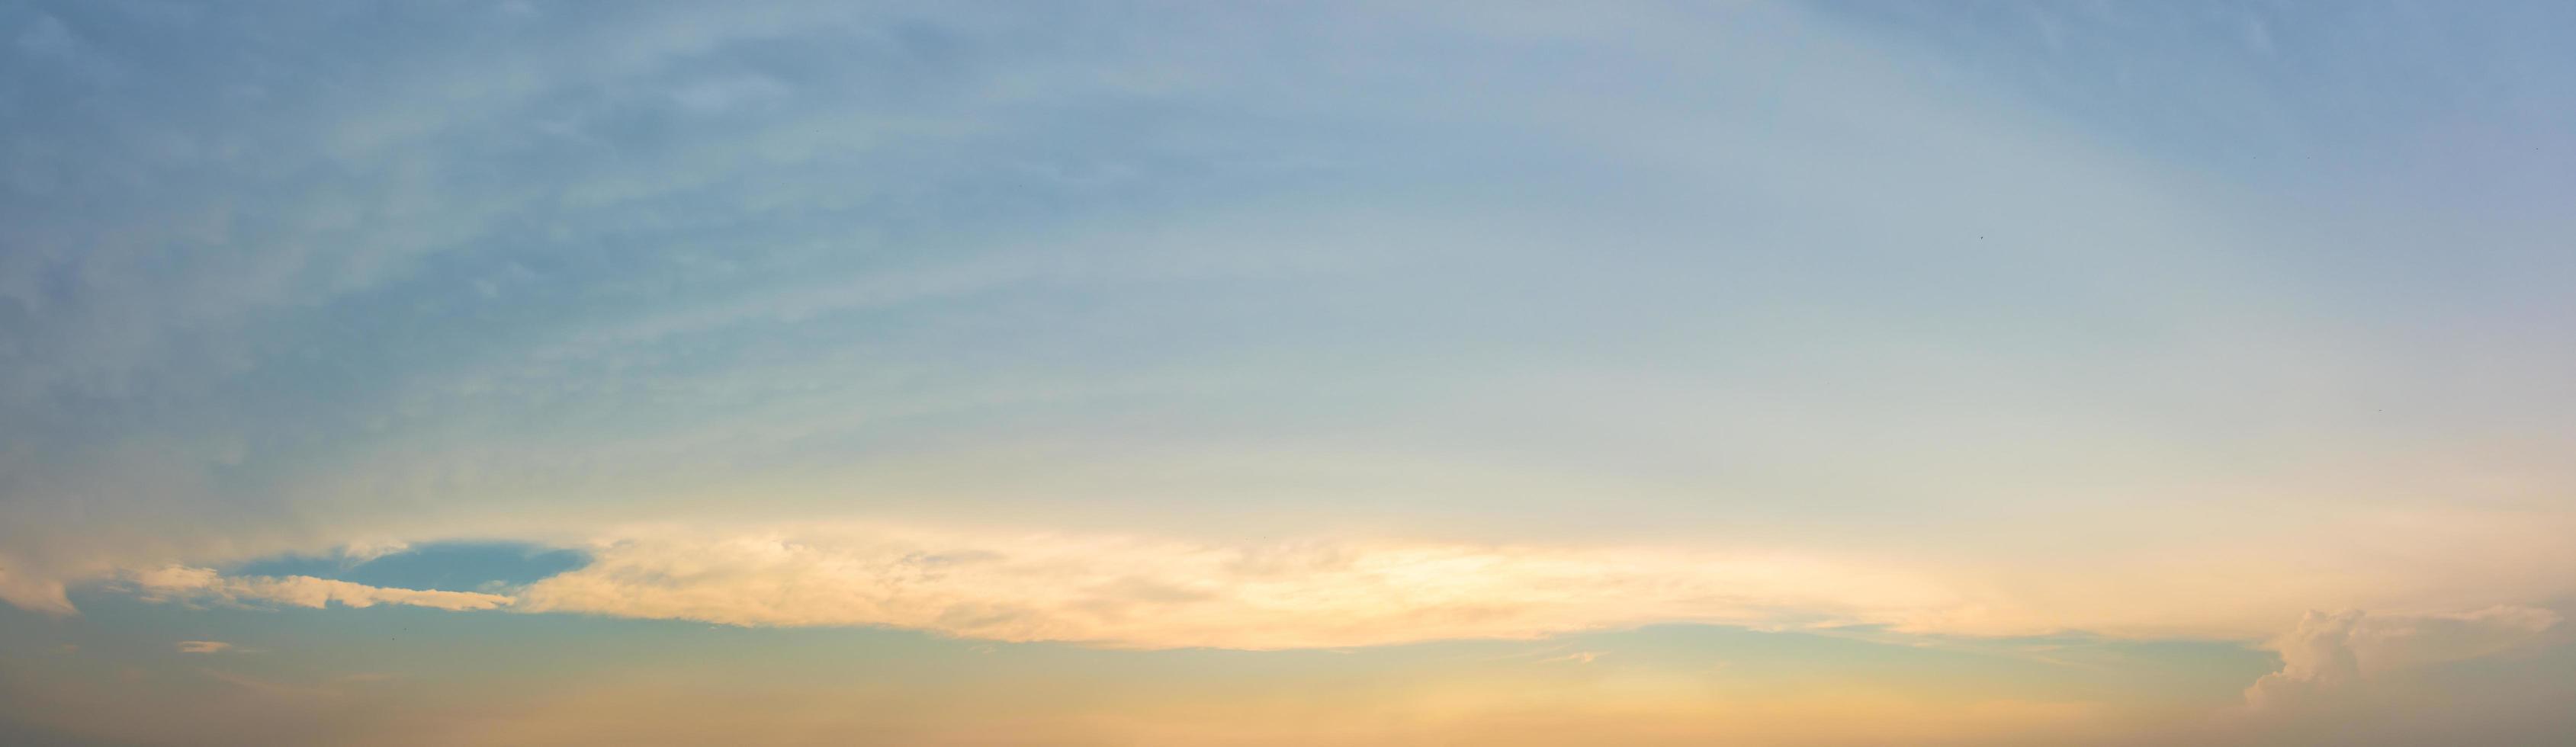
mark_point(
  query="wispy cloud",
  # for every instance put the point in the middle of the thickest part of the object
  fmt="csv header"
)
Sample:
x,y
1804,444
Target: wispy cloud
x,y
365,550
1578,657
203,647
195,584
1131,592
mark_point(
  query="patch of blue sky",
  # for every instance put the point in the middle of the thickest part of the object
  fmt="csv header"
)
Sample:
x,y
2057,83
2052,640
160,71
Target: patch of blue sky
x,y
444,566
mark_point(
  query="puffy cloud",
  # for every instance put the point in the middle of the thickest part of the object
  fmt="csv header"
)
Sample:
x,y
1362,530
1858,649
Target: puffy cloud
x,y
187,583
2332,651
203,647
1152,594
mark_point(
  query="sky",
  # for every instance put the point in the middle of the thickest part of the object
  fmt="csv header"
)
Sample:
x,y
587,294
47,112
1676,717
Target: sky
x,y
1106,373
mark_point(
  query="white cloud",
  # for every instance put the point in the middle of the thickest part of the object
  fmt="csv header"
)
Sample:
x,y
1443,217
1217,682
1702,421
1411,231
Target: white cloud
x,y
179,582
203,647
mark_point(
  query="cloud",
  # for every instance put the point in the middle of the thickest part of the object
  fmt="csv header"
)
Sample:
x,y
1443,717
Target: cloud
x,y
41,594
203,647
834,266
365,550
1131,590
184,583
539,275
2331,652
1143,593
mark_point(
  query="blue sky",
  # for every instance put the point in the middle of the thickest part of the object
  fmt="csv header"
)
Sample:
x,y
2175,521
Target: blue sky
x,y
1232,355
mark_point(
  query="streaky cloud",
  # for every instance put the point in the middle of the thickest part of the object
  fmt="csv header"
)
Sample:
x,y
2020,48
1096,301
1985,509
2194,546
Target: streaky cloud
x,y
1146,593
184,583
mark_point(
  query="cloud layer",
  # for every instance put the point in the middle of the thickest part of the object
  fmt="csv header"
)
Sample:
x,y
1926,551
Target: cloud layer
x,y
1129,592
182,583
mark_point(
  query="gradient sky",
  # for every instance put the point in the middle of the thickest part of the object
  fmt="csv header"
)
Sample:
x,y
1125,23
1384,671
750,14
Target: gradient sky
x,y
1841,373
